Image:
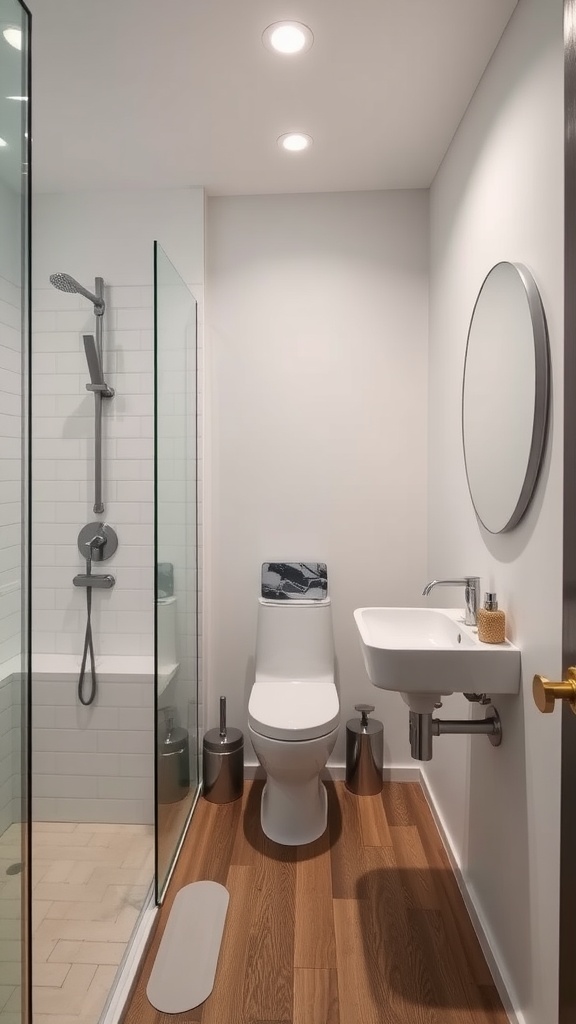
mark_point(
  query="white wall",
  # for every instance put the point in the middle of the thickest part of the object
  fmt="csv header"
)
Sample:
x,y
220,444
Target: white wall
x,y
110,235
318,350
499,196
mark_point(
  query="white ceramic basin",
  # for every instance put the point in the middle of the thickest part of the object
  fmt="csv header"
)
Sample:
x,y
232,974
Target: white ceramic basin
x,y
432,651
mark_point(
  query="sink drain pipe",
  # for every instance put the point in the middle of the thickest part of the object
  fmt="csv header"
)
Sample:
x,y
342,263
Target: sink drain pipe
x,y
423,727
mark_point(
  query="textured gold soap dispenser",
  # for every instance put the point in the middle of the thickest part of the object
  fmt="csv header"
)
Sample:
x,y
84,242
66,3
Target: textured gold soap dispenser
x,y
491,621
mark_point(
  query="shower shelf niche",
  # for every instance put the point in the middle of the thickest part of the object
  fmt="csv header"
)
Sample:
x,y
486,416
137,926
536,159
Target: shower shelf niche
x,y
165,676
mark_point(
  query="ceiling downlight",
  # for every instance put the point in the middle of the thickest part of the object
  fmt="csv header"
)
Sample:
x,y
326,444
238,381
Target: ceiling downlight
x,y
295,142
287,37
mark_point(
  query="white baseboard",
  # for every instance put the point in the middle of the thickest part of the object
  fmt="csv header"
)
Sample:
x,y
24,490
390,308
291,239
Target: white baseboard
x,y
474,912
337,773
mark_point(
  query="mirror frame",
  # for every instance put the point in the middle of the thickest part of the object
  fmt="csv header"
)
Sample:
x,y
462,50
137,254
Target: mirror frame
x,y
541,394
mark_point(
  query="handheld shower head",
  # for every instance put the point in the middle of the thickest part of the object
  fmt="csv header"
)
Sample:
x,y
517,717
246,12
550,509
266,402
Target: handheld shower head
x,y
66,283
95,369
93,359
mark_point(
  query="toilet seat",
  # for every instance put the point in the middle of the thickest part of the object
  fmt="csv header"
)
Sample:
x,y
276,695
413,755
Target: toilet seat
x,y
293,709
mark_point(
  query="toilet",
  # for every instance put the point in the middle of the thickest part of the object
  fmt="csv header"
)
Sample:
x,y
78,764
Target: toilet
x,y
293,716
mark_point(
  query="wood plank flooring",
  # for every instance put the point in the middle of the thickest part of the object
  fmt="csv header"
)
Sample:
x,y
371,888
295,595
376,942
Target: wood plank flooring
x,y
365,926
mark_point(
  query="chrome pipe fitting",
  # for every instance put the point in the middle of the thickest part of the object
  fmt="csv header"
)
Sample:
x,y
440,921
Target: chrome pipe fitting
x,y
420,734
423,727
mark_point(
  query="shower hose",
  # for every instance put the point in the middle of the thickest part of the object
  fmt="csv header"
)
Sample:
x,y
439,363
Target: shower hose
x,y
88,648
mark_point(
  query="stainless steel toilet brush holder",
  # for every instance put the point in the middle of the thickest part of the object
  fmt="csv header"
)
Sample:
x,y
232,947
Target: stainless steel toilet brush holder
x,y
223,762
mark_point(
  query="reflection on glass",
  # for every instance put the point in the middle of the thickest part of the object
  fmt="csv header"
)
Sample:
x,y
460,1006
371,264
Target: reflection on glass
x,y
14,219
176,657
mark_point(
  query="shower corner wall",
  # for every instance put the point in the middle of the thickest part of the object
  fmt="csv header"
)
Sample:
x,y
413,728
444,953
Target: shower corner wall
x,y
94,767
95,763
112,235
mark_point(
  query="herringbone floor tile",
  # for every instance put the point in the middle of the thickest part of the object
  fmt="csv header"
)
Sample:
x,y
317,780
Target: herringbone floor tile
x,y
89,884
10,924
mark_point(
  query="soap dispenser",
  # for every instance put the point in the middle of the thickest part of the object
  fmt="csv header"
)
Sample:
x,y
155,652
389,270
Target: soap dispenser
x,y
491,621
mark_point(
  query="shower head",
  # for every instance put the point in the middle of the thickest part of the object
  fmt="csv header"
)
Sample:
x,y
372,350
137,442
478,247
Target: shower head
x,y
94,360
66,283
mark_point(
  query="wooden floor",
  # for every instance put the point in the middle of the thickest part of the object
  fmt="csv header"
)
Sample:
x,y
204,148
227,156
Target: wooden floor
x,y
365,926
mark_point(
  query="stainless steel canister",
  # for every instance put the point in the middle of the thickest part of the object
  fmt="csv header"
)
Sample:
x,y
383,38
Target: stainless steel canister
x,y
364,753
223,762
173,765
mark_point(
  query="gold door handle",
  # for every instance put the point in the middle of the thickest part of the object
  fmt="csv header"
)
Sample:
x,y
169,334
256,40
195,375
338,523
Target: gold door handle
x,y
546,693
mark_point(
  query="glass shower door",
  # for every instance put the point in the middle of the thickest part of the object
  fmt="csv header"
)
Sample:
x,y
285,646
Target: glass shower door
x,y
176,559
14,462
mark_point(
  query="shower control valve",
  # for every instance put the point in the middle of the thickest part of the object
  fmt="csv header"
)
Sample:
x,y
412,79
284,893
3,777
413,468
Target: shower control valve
x,y
97,541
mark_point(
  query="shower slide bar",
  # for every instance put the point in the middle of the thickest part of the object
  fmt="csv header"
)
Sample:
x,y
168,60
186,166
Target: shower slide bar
x,y
93,350
100,389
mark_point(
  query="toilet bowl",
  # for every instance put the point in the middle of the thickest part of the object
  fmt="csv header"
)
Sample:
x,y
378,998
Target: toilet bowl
x,y
293,716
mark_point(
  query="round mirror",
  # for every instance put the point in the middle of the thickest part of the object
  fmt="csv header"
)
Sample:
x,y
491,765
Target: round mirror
x,y
505,396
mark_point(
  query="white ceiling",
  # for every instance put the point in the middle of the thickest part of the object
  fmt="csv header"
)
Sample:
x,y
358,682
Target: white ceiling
x,y
182,93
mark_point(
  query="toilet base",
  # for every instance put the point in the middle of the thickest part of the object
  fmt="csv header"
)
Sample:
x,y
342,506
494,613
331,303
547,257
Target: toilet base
x,y
294,814
294,808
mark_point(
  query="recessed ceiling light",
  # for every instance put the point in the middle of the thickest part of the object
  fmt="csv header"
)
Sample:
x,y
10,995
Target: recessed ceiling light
x,y
14,37
16,97
3,142
288,37
294,142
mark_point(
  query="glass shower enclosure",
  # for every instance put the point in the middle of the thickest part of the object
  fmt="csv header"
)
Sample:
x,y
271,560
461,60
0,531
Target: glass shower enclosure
x,y
176,554
176,560
14,512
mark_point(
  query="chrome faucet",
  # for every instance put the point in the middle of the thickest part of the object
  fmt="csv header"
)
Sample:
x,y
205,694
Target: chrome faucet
x,y
471,586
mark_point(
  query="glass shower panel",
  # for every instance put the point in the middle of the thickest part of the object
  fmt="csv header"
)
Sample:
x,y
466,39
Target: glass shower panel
x,y
14,462
176,554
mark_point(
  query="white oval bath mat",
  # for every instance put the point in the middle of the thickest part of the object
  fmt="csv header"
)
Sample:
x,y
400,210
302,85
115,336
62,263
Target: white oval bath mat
x,y
185,966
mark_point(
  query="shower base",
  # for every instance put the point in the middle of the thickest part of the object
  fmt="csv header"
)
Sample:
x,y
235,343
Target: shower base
x,y
89,884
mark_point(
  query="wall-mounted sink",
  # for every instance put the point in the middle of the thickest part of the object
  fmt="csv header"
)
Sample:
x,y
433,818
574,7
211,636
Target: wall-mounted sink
x,y
426,652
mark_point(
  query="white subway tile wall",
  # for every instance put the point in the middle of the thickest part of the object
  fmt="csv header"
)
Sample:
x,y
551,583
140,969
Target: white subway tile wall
x,y
10,751
93,764
10,547
63,471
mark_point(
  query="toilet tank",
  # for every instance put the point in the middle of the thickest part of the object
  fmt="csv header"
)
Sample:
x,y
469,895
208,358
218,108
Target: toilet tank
x,y
294,640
